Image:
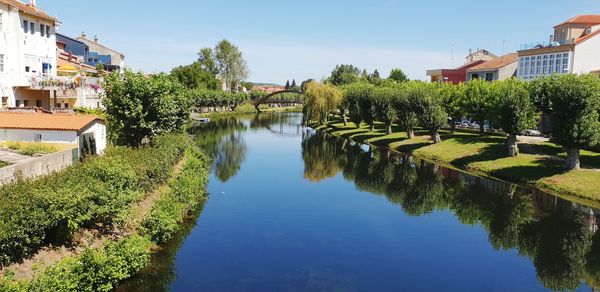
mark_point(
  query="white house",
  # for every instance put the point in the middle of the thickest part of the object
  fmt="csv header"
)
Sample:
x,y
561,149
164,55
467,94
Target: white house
x,y
27,54
574,48
86,132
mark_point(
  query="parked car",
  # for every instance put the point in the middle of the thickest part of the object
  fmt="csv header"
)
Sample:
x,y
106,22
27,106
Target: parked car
x,y
532,132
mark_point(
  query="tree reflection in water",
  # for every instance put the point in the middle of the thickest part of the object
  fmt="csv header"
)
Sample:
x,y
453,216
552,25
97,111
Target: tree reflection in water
x,y
557,235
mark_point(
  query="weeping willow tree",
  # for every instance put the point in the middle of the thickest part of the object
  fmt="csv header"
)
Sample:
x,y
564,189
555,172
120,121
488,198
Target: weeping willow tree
x,y
320,100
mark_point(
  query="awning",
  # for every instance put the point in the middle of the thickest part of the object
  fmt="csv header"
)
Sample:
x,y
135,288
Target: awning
x,y
68,69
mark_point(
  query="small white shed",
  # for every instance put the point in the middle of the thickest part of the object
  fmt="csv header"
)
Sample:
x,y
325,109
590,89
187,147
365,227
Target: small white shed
x,y
86,132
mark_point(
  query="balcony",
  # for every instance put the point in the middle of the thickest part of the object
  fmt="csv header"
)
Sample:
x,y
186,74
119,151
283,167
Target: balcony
x,y
65,84
546,44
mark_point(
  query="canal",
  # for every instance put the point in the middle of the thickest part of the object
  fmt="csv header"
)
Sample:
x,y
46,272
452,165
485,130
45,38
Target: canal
x,y
294,210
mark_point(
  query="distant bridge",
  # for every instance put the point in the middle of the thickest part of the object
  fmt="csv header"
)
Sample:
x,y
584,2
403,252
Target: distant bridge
x,y
268,99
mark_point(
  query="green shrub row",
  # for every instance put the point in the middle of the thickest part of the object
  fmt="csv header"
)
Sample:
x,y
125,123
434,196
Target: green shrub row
x,y
98,269
186,192
50,209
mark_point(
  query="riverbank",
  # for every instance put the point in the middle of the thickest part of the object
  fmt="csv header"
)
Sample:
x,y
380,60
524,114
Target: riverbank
x,y
99,255
248,108
540,163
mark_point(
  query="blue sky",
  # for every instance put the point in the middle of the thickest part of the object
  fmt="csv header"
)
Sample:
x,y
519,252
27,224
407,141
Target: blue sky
x,y
305,39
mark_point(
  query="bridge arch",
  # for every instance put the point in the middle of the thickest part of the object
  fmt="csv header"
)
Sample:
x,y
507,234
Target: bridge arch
x,y
265,99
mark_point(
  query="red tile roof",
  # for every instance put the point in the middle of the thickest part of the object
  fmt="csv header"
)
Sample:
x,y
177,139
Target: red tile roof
x,y
27,8
40,121
592,19
497,62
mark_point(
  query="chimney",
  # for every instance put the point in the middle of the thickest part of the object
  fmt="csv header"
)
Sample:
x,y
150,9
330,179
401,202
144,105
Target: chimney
x,y
83,34
32,3
96,38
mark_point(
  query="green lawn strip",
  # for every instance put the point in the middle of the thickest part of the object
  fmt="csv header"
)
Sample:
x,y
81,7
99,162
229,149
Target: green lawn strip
x,y
525,168
588,158
583,183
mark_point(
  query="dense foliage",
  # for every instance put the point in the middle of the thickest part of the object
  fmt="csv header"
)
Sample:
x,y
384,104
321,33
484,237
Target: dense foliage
x,y
320,100
217,98
50,209
193,76
227,62
514,110
138,107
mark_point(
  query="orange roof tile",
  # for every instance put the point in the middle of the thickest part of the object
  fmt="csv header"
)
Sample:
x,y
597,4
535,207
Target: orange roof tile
x,y
497,62
592,19
39,121
26,8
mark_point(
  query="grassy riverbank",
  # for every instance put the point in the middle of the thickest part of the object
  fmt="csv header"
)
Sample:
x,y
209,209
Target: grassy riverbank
x,y
102,218
540,163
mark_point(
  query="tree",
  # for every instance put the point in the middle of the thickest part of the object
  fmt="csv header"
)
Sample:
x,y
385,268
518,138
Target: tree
x,y
575,115
287,85
294,86
429,108
353,96
398,76
453,101
194,76
344,74
228,61
139,107
320,100
405,106
383,102
515,111
479,101
539,91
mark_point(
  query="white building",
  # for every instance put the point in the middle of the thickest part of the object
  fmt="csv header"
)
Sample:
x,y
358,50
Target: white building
x,y
86,132
574,48
27,54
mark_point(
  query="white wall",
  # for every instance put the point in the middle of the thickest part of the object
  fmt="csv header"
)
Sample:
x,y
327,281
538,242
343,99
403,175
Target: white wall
x,y
99,131
21,135
587,56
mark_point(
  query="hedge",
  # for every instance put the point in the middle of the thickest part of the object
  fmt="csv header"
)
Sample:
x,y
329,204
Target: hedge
x,y
50,209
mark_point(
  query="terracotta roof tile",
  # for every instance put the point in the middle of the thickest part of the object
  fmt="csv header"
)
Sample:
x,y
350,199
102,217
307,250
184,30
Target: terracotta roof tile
x,y
26,8
583,19
40,121
497,62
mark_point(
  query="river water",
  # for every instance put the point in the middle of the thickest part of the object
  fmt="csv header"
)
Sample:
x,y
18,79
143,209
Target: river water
x,y
294,210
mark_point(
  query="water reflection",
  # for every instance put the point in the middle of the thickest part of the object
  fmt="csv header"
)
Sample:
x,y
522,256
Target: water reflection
x,y
557,235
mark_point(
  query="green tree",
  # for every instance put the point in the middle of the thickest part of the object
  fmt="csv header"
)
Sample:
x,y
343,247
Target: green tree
x,y
139,107
575,115
383,102
228,61
514,110
320,100
294,86
429,108
398,76
479,101
405,106
353,96
453,97
194,76
287,85
344,74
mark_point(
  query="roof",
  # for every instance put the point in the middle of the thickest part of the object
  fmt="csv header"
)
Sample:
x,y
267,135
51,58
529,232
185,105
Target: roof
x,y
497,62
587,37
43,121
464,67
27,8
592,19
89,43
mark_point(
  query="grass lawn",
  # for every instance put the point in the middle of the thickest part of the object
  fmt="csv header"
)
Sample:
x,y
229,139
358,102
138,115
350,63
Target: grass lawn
x,y
540,163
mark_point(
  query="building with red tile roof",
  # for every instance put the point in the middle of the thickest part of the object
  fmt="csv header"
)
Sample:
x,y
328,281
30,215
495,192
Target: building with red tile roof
x,y
501,68
458,74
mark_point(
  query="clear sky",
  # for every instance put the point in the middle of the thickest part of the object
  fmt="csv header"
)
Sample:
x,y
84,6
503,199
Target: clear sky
x,y
305,39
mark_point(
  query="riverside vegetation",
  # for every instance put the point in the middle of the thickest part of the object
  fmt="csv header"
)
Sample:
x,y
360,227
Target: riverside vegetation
x,y
413,116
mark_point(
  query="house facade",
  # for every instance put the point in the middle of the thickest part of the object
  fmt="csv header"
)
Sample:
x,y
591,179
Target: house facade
x,y
574,48
100,54
27,54
499,68
458,75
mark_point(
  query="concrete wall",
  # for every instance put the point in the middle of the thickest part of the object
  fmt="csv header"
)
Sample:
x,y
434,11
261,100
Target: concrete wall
x,y
586,57
21,135
508,71
39,166
99,131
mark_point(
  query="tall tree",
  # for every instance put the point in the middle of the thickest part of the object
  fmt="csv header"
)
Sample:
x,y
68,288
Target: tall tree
x,y
287,85
228,61
344,74
194,76
398,76
405,105
383,102
515,111
575,115
294,86
453,102
479,101
429,108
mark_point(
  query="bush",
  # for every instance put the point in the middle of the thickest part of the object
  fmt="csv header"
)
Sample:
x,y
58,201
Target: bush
x,y
50,209
96,269
186,192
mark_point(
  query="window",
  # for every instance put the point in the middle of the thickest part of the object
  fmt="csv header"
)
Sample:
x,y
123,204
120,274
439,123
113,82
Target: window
x,y
25,26
489,76
32,27
26,103
37,137
47,31
38,103
27,69
42,29
1,20
474,76
1,62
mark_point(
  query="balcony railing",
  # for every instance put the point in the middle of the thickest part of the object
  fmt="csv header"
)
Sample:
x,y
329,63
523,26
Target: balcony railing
x,y
48,82
546,44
